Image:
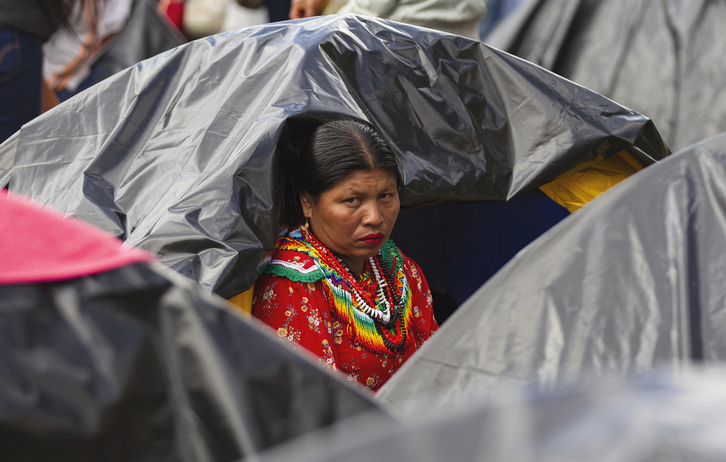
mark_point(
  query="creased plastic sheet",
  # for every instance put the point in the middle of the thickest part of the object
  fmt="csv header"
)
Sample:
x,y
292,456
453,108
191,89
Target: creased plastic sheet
x,y
661,416
182,155
663,58
138,363
633,279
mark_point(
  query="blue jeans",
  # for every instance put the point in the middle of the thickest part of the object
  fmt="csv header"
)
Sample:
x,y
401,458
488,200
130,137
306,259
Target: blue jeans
x,y
21,74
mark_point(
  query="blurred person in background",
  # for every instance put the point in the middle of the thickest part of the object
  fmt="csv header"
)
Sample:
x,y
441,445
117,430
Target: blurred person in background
x,y
208,17
46,51
71,51
460,17
201,18
24,26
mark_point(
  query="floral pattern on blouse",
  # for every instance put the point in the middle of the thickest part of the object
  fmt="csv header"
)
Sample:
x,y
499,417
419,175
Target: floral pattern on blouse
x,y
300,313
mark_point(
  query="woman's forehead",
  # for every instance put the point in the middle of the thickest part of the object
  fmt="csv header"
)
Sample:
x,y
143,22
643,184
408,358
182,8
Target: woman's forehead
x,y
366,179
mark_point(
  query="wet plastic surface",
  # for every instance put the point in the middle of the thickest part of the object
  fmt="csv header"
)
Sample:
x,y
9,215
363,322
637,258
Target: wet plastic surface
x,y
632,280
662,58
183,154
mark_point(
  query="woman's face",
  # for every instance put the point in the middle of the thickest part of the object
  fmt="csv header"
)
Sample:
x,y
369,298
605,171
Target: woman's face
x,y
355,217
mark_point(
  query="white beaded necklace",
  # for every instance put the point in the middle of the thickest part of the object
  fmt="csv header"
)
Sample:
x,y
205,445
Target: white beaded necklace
x,y
384,315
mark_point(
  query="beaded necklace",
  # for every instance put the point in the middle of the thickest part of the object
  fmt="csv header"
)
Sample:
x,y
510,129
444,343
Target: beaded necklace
x,y
381,324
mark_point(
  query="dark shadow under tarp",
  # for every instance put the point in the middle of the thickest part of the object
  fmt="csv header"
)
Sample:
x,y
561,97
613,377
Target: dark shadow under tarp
x,y
460,246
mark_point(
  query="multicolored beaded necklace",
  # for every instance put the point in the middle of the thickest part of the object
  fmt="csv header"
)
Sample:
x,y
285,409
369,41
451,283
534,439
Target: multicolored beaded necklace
x,y
381,324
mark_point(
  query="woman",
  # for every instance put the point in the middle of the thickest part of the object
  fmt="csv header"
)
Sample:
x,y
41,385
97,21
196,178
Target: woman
x,y
336,284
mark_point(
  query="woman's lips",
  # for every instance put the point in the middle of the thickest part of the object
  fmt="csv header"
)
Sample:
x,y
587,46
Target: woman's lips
x,y
372,239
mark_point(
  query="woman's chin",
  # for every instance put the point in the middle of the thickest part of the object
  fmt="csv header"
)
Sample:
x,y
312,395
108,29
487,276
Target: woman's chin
x,y
370,252
362,254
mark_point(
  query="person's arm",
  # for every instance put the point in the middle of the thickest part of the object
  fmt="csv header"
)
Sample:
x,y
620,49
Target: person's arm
x,y
297,312
306,8
49,99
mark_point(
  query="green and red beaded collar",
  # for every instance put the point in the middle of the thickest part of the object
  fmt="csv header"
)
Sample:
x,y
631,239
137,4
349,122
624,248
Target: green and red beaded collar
x,y
380,325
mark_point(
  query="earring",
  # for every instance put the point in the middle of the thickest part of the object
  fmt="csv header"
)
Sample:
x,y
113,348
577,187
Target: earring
x,y
307,223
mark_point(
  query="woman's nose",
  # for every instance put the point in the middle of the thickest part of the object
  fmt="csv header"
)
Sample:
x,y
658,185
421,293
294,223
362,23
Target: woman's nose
x,y
373,215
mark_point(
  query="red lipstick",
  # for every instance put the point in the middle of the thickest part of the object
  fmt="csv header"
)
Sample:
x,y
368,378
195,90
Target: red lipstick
x,y
372,239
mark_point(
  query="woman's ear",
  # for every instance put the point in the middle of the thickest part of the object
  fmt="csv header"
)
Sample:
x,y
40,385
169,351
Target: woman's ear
x,y
307,204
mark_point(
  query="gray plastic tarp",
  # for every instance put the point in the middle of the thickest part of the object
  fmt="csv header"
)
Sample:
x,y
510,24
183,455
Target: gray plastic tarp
x,y
183,154
662,58
659,417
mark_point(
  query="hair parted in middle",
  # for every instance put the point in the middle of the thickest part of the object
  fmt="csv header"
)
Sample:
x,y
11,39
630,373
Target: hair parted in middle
x,y
334,150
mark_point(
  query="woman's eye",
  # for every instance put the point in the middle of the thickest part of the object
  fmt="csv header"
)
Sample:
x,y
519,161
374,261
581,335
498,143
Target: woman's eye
x,y
386,196
351,200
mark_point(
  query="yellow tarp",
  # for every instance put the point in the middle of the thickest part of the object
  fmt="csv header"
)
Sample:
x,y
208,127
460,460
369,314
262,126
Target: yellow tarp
x,y
588,180
243,301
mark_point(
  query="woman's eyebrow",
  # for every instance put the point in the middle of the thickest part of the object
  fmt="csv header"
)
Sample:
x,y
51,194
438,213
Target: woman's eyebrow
x,y
360,192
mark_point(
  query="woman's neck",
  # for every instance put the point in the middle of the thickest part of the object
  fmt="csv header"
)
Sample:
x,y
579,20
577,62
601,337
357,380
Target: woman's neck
x,y
354,264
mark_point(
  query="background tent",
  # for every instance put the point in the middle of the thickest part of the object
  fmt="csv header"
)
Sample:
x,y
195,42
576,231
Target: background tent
x,y
662,417
183,154
106,355
632,280
662,58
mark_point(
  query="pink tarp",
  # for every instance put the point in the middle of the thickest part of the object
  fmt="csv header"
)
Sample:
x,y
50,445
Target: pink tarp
x,y
39,244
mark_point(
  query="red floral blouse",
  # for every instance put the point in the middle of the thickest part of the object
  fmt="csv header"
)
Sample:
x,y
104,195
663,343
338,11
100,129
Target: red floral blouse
x,y
300,313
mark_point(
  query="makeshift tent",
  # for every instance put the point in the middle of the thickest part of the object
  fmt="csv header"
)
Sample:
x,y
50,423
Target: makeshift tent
x,y
633,279
662,416
663,58
184,154
107,355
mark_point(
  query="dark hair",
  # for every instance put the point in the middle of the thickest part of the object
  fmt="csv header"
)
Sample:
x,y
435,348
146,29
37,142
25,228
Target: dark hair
x,y
334,150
